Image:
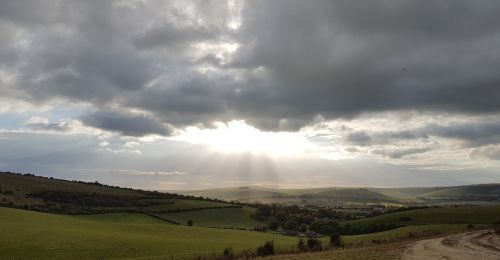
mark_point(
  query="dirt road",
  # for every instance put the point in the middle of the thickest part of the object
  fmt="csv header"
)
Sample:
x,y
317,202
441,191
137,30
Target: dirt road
x,y
478,245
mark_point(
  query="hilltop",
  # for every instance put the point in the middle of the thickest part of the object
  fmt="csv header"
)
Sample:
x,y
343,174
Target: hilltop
x,y
27,191
340,196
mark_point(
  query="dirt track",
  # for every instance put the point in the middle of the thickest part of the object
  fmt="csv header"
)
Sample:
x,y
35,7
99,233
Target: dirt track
x,y
478,245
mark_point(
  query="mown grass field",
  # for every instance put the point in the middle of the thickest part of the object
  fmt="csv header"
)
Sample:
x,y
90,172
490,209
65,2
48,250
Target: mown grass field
x,y
445,215
34,235
221,217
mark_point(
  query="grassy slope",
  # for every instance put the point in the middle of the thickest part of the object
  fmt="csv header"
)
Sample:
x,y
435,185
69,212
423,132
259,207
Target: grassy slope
x,y
29,235
22,186
445,215
226,217
389,244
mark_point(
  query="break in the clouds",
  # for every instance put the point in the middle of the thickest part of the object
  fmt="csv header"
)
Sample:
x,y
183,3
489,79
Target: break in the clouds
x,y
410,84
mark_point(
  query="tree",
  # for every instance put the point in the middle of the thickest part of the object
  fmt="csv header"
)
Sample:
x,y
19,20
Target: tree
x,y
263,211
316,226
291,225
280,215
190,222
273,224
303,228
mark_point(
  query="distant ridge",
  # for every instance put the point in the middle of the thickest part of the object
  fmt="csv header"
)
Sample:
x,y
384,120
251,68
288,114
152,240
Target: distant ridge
x,y
467,194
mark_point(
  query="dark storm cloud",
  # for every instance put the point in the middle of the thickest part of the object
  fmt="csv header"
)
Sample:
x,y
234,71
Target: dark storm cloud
x,y
296,60
339,58
169,35
125,123
471,134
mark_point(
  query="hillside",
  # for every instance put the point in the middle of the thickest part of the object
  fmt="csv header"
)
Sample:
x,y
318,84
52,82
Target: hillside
x,y
341,196
72,197
35,235
434,216
217,217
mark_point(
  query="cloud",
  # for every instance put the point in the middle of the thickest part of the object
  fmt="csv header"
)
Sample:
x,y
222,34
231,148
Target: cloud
x,y
295,61
126,123
400,153
407,82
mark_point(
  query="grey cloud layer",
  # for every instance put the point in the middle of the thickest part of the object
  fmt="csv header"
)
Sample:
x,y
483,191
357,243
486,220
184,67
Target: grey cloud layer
x,y
296,60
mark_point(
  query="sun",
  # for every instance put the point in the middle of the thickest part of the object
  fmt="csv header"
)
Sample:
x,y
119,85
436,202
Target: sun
x,y
237,136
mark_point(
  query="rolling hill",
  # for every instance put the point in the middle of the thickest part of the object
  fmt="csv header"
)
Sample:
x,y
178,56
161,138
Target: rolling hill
x,y
334,196
73,197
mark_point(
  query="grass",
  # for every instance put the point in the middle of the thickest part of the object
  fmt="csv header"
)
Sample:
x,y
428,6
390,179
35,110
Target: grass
x,y
376,246
445,215
34,235
404,233
70,197
222,217
379,252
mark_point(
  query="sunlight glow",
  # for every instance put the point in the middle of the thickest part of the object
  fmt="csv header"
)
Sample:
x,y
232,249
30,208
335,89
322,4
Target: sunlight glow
x,y
238,136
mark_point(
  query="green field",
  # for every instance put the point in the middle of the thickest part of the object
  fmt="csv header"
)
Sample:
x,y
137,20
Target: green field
x,y
221,217
404,233
34,235
445,215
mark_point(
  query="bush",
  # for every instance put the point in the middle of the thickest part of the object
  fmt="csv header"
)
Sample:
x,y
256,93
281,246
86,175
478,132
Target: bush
x,y
314,244
301,245
228,253
266,249
190,222
336,240
470,226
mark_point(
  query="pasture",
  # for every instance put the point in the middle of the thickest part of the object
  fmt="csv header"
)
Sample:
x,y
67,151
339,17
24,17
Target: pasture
x,y
30,235
219,217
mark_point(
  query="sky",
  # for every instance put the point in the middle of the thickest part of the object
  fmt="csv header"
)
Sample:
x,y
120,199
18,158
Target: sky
x,y
184,94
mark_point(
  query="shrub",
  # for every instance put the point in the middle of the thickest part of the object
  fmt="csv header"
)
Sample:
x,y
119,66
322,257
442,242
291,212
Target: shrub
x,y
470,226
190,222
314,244
228,253
266,249
301,245
336,240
